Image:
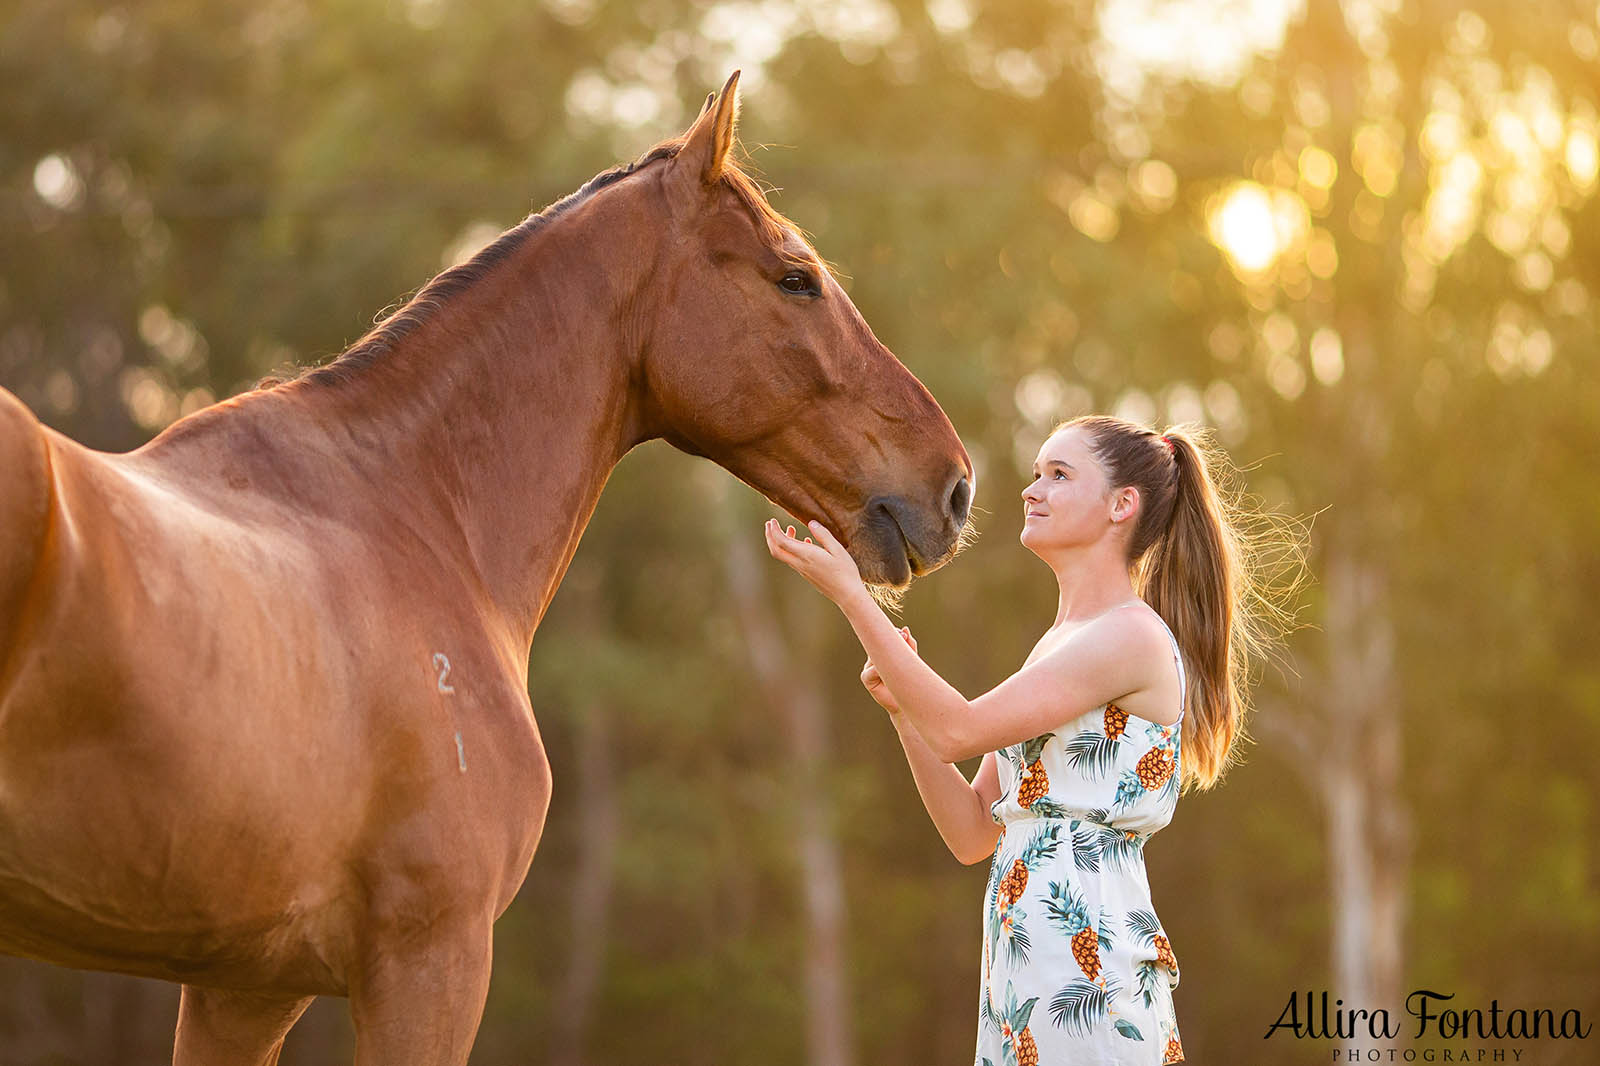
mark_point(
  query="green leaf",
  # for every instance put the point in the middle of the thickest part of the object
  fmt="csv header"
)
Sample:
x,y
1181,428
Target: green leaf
x,y
1023,1014
1079,1006
1143,925
1093,753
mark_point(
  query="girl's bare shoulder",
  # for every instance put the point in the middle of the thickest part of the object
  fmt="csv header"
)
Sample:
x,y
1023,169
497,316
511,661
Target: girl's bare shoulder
x,y
1131,633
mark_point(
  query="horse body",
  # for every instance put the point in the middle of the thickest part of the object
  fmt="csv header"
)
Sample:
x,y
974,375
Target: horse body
x,y
236,724
264,723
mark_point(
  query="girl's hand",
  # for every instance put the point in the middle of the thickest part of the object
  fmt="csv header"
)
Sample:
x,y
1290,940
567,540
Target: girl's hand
x,y
824,563
874,684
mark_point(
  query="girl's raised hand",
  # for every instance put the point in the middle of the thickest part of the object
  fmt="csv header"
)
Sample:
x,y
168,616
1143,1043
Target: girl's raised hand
x,y
823,562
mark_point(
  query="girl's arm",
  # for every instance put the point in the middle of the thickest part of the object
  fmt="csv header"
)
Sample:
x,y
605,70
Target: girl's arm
x,y
1107,660
959,808
1101,663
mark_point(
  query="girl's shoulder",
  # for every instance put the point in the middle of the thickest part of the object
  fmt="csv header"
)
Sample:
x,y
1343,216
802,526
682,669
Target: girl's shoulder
x,y
1134,622
1134,635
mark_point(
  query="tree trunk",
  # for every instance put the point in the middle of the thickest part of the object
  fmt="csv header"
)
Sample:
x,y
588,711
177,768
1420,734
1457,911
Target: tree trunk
x,y
1347,747
594,872
791,688
1360,777
593,880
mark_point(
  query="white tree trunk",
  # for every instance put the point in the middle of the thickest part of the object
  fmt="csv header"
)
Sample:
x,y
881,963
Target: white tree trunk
x,y
594,872
1347,744
790,688
594,877
1369,825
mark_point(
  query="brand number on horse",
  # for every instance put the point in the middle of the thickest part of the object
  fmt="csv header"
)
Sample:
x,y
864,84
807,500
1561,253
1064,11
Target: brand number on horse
x,y
441,663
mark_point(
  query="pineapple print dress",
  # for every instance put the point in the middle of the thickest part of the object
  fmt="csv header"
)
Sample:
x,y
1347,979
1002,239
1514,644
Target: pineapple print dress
x,y
1077,970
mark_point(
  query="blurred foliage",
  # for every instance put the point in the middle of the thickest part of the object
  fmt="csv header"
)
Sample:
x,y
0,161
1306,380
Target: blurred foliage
x,y
1367,256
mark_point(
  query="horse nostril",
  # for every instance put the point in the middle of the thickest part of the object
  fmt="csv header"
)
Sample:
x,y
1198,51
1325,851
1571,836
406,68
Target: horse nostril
x,y
960,500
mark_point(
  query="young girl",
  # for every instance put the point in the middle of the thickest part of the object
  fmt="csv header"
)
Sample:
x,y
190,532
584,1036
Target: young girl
x,y
1135,689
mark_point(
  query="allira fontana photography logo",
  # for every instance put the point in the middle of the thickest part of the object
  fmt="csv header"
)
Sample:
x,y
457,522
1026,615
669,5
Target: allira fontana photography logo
x,y
1427,1016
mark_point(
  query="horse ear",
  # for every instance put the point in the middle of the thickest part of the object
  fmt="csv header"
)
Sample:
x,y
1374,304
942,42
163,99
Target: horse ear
x,y
706,145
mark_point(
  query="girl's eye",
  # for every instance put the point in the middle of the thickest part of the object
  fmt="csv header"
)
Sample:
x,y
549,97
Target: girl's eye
x,y
798,283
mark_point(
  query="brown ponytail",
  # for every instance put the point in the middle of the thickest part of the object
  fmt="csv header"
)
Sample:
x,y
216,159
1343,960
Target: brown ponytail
x,y
1219,571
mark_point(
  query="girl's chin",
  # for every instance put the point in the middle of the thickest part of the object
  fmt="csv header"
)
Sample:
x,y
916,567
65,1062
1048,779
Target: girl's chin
x,y
1035,540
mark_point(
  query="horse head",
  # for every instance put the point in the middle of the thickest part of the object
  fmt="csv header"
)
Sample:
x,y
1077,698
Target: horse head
x,y
758,360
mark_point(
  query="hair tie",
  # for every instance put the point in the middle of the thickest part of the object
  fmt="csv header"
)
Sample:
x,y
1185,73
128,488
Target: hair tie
x,y
1172,449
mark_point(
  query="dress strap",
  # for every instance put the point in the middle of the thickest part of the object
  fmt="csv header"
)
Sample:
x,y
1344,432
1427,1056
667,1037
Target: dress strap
x,y
1177,657
1183,678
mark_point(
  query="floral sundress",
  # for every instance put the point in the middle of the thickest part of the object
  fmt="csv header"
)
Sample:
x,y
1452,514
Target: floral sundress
x,y
1076,966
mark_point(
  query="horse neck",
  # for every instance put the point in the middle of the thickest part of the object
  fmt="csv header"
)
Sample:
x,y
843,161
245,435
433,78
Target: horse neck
x,y
496,422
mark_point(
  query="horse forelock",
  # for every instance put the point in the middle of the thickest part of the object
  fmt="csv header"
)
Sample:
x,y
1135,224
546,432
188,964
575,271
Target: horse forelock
x,y
427,302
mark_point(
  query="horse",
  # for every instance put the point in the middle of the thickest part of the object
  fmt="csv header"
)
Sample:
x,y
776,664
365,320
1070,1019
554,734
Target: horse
x,y
264,718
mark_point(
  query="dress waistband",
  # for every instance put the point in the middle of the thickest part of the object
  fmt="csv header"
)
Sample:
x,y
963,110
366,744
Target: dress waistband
x,y
1066,818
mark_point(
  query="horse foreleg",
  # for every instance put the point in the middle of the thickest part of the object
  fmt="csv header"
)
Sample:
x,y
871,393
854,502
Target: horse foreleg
x,y
222,1028
420,1006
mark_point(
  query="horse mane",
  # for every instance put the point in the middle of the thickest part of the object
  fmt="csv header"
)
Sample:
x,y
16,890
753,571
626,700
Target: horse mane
x,y
427,302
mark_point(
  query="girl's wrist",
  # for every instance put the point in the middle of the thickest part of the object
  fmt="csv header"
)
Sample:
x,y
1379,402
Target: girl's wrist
x,y
856,604
902,722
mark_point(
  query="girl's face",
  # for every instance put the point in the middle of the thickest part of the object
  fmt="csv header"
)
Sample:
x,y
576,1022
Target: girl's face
x,y
1069,504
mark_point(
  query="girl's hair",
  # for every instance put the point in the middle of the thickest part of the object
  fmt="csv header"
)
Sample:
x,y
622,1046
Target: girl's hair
x,y
1220,571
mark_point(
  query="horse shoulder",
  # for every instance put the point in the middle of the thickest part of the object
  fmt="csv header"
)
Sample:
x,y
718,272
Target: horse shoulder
x,y
460,787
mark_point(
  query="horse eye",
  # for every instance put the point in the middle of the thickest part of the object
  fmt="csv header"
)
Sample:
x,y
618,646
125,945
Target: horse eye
x,y
797,282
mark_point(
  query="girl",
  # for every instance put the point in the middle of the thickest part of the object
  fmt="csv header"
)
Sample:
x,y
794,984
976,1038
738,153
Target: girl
x,y
1136,689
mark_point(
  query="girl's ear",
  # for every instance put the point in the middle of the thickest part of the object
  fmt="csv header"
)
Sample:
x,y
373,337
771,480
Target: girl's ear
x,y
1125,503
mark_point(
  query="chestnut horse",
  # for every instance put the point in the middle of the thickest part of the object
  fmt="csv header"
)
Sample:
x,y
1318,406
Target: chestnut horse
x,y
264,717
